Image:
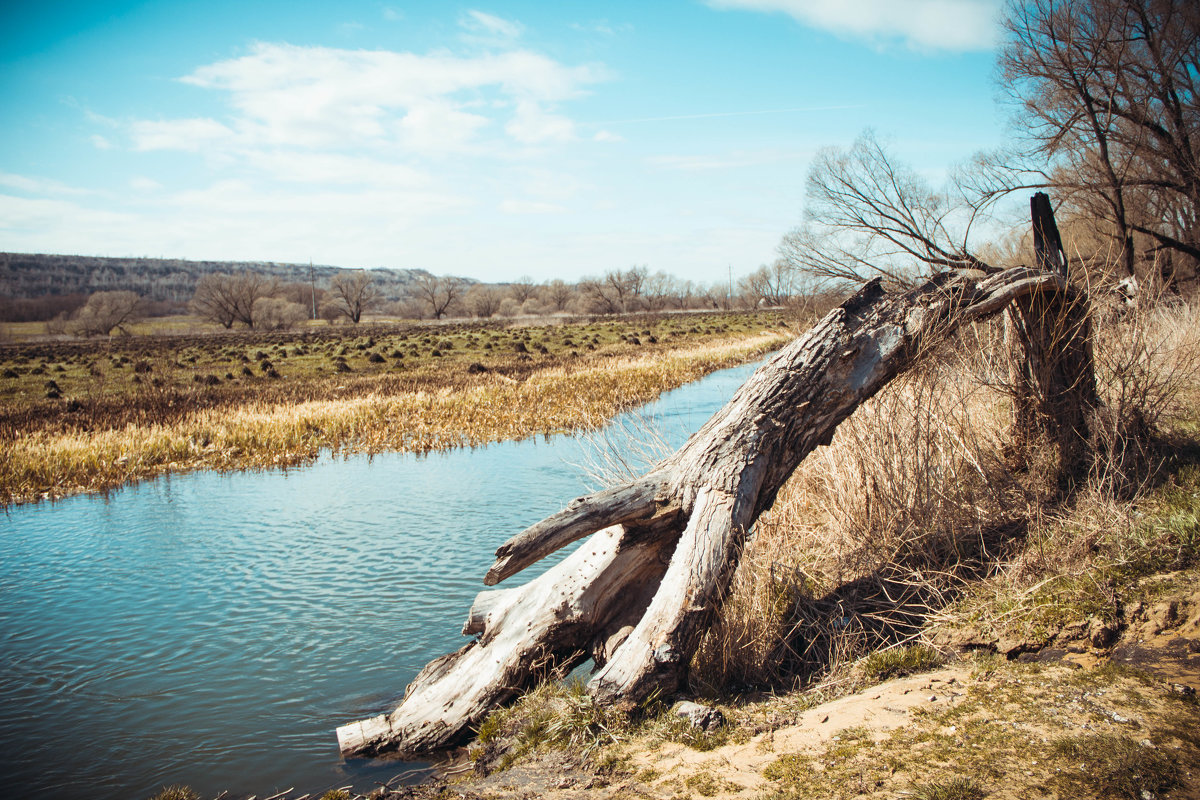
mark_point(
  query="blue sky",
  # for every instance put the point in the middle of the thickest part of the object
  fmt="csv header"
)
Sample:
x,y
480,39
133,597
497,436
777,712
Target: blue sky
x,y
491,140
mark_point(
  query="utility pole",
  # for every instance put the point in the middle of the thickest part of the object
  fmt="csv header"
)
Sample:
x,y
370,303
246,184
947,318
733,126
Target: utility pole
x,y
729,294
312,282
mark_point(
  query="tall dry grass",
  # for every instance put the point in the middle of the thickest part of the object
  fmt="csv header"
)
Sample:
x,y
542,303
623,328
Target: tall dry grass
x,y
257,434
914,500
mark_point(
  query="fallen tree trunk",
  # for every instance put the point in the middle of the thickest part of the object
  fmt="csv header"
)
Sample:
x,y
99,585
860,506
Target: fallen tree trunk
x,y
639,594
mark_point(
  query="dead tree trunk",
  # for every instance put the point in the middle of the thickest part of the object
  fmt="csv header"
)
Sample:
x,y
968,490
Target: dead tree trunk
x,y
639,594
1053,379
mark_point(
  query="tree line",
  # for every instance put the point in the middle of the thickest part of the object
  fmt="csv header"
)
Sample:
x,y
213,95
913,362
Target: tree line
x,y
251,300
1103,100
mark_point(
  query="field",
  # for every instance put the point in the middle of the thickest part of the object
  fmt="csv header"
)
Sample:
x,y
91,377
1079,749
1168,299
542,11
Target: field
x,y
92,415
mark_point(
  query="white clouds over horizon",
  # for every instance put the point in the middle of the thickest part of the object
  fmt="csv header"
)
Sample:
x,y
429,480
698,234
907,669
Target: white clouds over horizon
x,y
480,21
501,140
957,25
319,97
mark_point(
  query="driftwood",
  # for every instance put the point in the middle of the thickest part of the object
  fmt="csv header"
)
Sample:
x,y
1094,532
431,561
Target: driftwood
x,y
638,595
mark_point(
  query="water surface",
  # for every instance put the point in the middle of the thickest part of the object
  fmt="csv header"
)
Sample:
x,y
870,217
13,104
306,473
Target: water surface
x,y
214,629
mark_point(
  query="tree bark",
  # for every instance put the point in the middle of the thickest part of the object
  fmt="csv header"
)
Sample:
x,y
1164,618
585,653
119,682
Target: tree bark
x,y
640,593
1053,378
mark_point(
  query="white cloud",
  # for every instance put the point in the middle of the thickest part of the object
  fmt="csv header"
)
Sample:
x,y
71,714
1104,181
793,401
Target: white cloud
x,y
607,136
531,124
44,186
437,127
302,166
924,24
40,225
179,134
285,95
100,143
141,183
530,207
483,22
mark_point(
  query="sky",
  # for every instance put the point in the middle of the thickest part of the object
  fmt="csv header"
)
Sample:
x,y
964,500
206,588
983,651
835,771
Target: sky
x,y
491,140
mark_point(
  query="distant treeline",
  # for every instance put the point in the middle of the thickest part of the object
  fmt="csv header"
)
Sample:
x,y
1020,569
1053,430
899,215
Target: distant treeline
x,y
26,276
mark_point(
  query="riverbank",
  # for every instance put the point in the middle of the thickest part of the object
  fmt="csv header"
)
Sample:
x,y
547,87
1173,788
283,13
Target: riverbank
x,y
138,409
923,614
1060,675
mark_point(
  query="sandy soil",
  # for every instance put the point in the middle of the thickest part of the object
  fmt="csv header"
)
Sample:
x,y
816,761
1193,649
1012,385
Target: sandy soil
x,y
1052,694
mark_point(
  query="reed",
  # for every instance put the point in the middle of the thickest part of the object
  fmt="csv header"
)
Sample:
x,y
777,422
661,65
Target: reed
x,y
419,417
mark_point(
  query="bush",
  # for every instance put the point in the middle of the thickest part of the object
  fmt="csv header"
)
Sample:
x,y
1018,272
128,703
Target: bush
x,y
276,314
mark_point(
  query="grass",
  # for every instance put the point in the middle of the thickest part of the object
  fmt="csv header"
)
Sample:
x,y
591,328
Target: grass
x,y
915,514
552,716
1015,731
1116,765
884,665
562,716
951,789
176,792
131,409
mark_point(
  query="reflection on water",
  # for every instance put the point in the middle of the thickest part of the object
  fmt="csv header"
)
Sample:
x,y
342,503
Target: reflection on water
x,y
214,629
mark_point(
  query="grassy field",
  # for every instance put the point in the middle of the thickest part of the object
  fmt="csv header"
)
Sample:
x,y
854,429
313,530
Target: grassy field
x,y
92,415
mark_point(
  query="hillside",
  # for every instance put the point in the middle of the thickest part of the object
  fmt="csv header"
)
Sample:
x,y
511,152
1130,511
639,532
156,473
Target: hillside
x,y
173,280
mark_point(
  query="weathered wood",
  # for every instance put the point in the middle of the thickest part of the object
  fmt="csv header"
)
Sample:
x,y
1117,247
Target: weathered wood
x,y
549,622
1053,377
641,614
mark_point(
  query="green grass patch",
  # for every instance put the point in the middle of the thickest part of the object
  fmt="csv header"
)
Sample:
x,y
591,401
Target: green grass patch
x,y
884,665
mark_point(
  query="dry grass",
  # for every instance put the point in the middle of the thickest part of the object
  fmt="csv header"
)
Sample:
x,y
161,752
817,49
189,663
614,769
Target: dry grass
x,y
914,503
423,416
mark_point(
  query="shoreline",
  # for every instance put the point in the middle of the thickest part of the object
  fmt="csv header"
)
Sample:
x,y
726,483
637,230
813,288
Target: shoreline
x,y
465,411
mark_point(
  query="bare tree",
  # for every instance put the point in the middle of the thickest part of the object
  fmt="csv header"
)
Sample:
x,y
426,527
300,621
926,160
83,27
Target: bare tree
x,y
483,301
869,216
278,313
558,294
618,288
1105,93
105,311
771,285
226,299
659,290
597,298
522,289
438,294
354,293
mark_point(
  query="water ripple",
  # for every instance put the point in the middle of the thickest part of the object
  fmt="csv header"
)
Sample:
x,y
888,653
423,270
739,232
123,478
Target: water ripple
x,y
213,629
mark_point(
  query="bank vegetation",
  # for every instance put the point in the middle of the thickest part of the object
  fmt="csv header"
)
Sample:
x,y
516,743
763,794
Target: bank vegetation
x,y
91,416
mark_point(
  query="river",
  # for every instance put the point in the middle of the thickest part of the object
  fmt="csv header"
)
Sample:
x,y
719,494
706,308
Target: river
x,y
213,629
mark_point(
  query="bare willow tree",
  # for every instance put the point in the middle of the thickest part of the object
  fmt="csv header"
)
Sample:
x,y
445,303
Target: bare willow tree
x,y
1107,114
354,294
483,301
870,216
522,289
438,293
773,285
105,311
226,299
